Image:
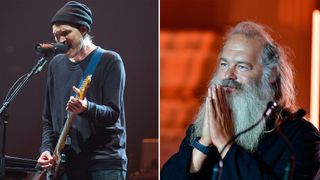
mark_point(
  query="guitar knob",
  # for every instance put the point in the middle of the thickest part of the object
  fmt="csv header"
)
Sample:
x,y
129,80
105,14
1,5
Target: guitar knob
x,y
63,158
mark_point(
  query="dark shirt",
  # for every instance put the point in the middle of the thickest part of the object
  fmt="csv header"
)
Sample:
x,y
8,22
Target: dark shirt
x,y
98,136
268,162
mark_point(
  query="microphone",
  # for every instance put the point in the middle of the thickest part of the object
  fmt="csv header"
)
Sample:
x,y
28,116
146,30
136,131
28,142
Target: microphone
x,y
271,108
51,48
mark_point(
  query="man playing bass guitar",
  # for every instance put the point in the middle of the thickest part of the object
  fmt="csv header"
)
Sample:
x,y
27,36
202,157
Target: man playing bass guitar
x,y
98,134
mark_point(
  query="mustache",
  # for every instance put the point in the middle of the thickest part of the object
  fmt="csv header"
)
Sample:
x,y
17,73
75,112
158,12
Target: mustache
x,y
230,83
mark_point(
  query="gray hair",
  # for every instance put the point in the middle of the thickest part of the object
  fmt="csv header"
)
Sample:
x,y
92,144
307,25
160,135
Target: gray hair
x,y
275,63
274,60
87,38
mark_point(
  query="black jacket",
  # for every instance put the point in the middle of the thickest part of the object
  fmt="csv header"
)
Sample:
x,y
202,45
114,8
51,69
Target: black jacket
x,y
269,162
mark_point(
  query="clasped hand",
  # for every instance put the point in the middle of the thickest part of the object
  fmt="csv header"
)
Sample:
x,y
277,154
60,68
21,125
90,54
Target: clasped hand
x,y
218,126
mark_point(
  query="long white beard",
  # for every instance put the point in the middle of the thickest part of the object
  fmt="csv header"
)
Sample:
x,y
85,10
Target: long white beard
x,y
247,107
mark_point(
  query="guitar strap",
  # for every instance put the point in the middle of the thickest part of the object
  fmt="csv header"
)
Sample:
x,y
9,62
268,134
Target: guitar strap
x,y
95,59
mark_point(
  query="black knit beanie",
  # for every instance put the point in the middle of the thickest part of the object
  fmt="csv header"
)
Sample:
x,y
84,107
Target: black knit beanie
x,y
73,13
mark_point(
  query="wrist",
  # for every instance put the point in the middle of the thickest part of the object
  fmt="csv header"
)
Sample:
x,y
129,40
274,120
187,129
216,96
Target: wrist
x,y
204,148
205,142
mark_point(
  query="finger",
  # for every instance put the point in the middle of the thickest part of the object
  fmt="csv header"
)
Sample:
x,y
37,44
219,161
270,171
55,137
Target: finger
x,y
68,106
43,162
48,166
218,94
211,110
206,123
76,90
207,111
76,104
221,100
222,109
49,156
229,131
213,93
211,121
216,102
209,93
224,101
73,99
45,157
71,108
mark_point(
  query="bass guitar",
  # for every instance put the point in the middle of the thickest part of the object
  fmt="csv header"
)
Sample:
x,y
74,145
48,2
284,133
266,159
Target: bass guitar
x,y
57,170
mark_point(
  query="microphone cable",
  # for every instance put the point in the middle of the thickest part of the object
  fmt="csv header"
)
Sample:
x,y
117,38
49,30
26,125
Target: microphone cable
x,y
217,169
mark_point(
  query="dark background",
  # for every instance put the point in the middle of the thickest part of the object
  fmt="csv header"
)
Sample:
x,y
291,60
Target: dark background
x,y
125,26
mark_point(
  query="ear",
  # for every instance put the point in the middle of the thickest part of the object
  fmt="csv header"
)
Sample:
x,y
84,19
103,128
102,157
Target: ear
x,y
83,30
273,76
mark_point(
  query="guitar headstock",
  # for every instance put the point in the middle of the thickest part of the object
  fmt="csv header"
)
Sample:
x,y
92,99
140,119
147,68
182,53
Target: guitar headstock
x,y
84,87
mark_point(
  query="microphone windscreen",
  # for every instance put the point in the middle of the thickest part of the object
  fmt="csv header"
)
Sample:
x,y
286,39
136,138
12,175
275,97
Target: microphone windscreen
x,y
51,48
271,106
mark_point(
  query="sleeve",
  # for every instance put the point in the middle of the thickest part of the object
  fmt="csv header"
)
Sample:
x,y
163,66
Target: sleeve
x,y
177,167
48,135
107,113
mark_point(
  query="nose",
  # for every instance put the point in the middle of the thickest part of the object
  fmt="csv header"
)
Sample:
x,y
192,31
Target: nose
x,y
231,73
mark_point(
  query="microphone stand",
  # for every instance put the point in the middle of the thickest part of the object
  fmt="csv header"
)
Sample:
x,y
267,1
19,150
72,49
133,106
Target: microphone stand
x,y
4,115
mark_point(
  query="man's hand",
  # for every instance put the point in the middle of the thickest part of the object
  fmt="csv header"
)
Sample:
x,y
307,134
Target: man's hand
x,y
217,127
76,105
46,160
198,157
205,136
219,118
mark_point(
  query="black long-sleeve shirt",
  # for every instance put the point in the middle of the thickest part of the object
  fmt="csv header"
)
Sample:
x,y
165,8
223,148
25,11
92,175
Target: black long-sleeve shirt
x,y
269,162
98,135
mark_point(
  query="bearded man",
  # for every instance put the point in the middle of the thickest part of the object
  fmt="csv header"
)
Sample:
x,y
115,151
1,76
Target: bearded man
x,y
252,70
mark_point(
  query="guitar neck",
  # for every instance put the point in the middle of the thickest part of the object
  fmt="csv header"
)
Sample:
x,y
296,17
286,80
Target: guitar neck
x,y
65,131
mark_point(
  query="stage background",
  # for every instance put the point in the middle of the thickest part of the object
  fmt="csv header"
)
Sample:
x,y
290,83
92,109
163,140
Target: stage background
x,y
190,39
127,27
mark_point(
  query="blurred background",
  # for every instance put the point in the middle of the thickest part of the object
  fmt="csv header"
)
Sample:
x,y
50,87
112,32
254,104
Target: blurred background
x,y
191,33
127,27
